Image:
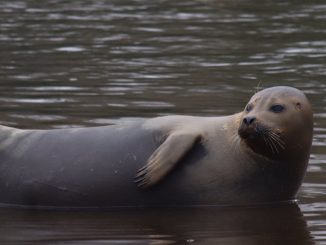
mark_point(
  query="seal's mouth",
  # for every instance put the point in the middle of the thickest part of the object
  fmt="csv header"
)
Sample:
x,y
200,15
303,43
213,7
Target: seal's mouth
x,y
251,130
261,138
248,132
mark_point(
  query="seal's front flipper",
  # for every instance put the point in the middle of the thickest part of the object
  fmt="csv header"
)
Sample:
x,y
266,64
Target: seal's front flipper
x,y
165,158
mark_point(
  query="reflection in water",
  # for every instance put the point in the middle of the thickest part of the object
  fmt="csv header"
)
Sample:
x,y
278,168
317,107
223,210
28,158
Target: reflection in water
x,y
256,225
83,63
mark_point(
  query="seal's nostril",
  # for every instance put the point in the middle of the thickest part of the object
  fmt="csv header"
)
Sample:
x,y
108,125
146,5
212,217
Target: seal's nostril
x,y
252,120
248,120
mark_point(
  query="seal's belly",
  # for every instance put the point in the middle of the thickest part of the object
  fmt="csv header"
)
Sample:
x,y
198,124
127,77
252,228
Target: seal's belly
x,y
78,167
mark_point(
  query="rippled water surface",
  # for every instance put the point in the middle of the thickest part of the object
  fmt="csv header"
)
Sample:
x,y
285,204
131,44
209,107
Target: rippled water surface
x,y
85,63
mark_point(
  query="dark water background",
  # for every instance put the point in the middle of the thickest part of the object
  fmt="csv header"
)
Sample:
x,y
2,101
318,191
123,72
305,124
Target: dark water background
x,y
94,62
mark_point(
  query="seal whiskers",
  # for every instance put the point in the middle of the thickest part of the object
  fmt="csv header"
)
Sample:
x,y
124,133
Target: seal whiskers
x,y
274,141
277,139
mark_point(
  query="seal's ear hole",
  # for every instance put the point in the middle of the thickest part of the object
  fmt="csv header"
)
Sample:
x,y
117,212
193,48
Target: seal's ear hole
x,y
298,106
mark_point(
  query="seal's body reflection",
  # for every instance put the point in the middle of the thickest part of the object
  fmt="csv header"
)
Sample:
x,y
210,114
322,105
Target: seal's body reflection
x,y
279,224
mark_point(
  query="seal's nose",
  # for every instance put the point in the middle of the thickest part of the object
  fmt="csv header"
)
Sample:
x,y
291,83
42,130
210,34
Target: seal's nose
x,y
249,120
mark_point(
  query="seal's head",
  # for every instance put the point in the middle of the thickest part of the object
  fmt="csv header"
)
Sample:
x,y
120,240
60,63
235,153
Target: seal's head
x,y
277,123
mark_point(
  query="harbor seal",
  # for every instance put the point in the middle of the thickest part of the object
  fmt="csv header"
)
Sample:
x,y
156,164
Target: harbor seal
x,y
256,156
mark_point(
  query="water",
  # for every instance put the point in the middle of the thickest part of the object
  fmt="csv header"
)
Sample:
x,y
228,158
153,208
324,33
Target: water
x,y
263,225
87,63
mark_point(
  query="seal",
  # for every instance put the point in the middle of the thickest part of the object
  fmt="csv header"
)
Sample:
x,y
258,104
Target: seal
x,y
256,156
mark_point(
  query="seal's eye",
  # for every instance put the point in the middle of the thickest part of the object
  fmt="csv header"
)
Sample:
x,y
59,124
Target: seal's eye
x,y
249,107
277,108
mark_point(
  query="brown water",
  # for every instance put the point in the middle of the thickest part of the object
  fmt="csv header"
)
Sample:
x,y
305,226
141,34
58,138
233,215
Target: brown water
x,y
84,63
